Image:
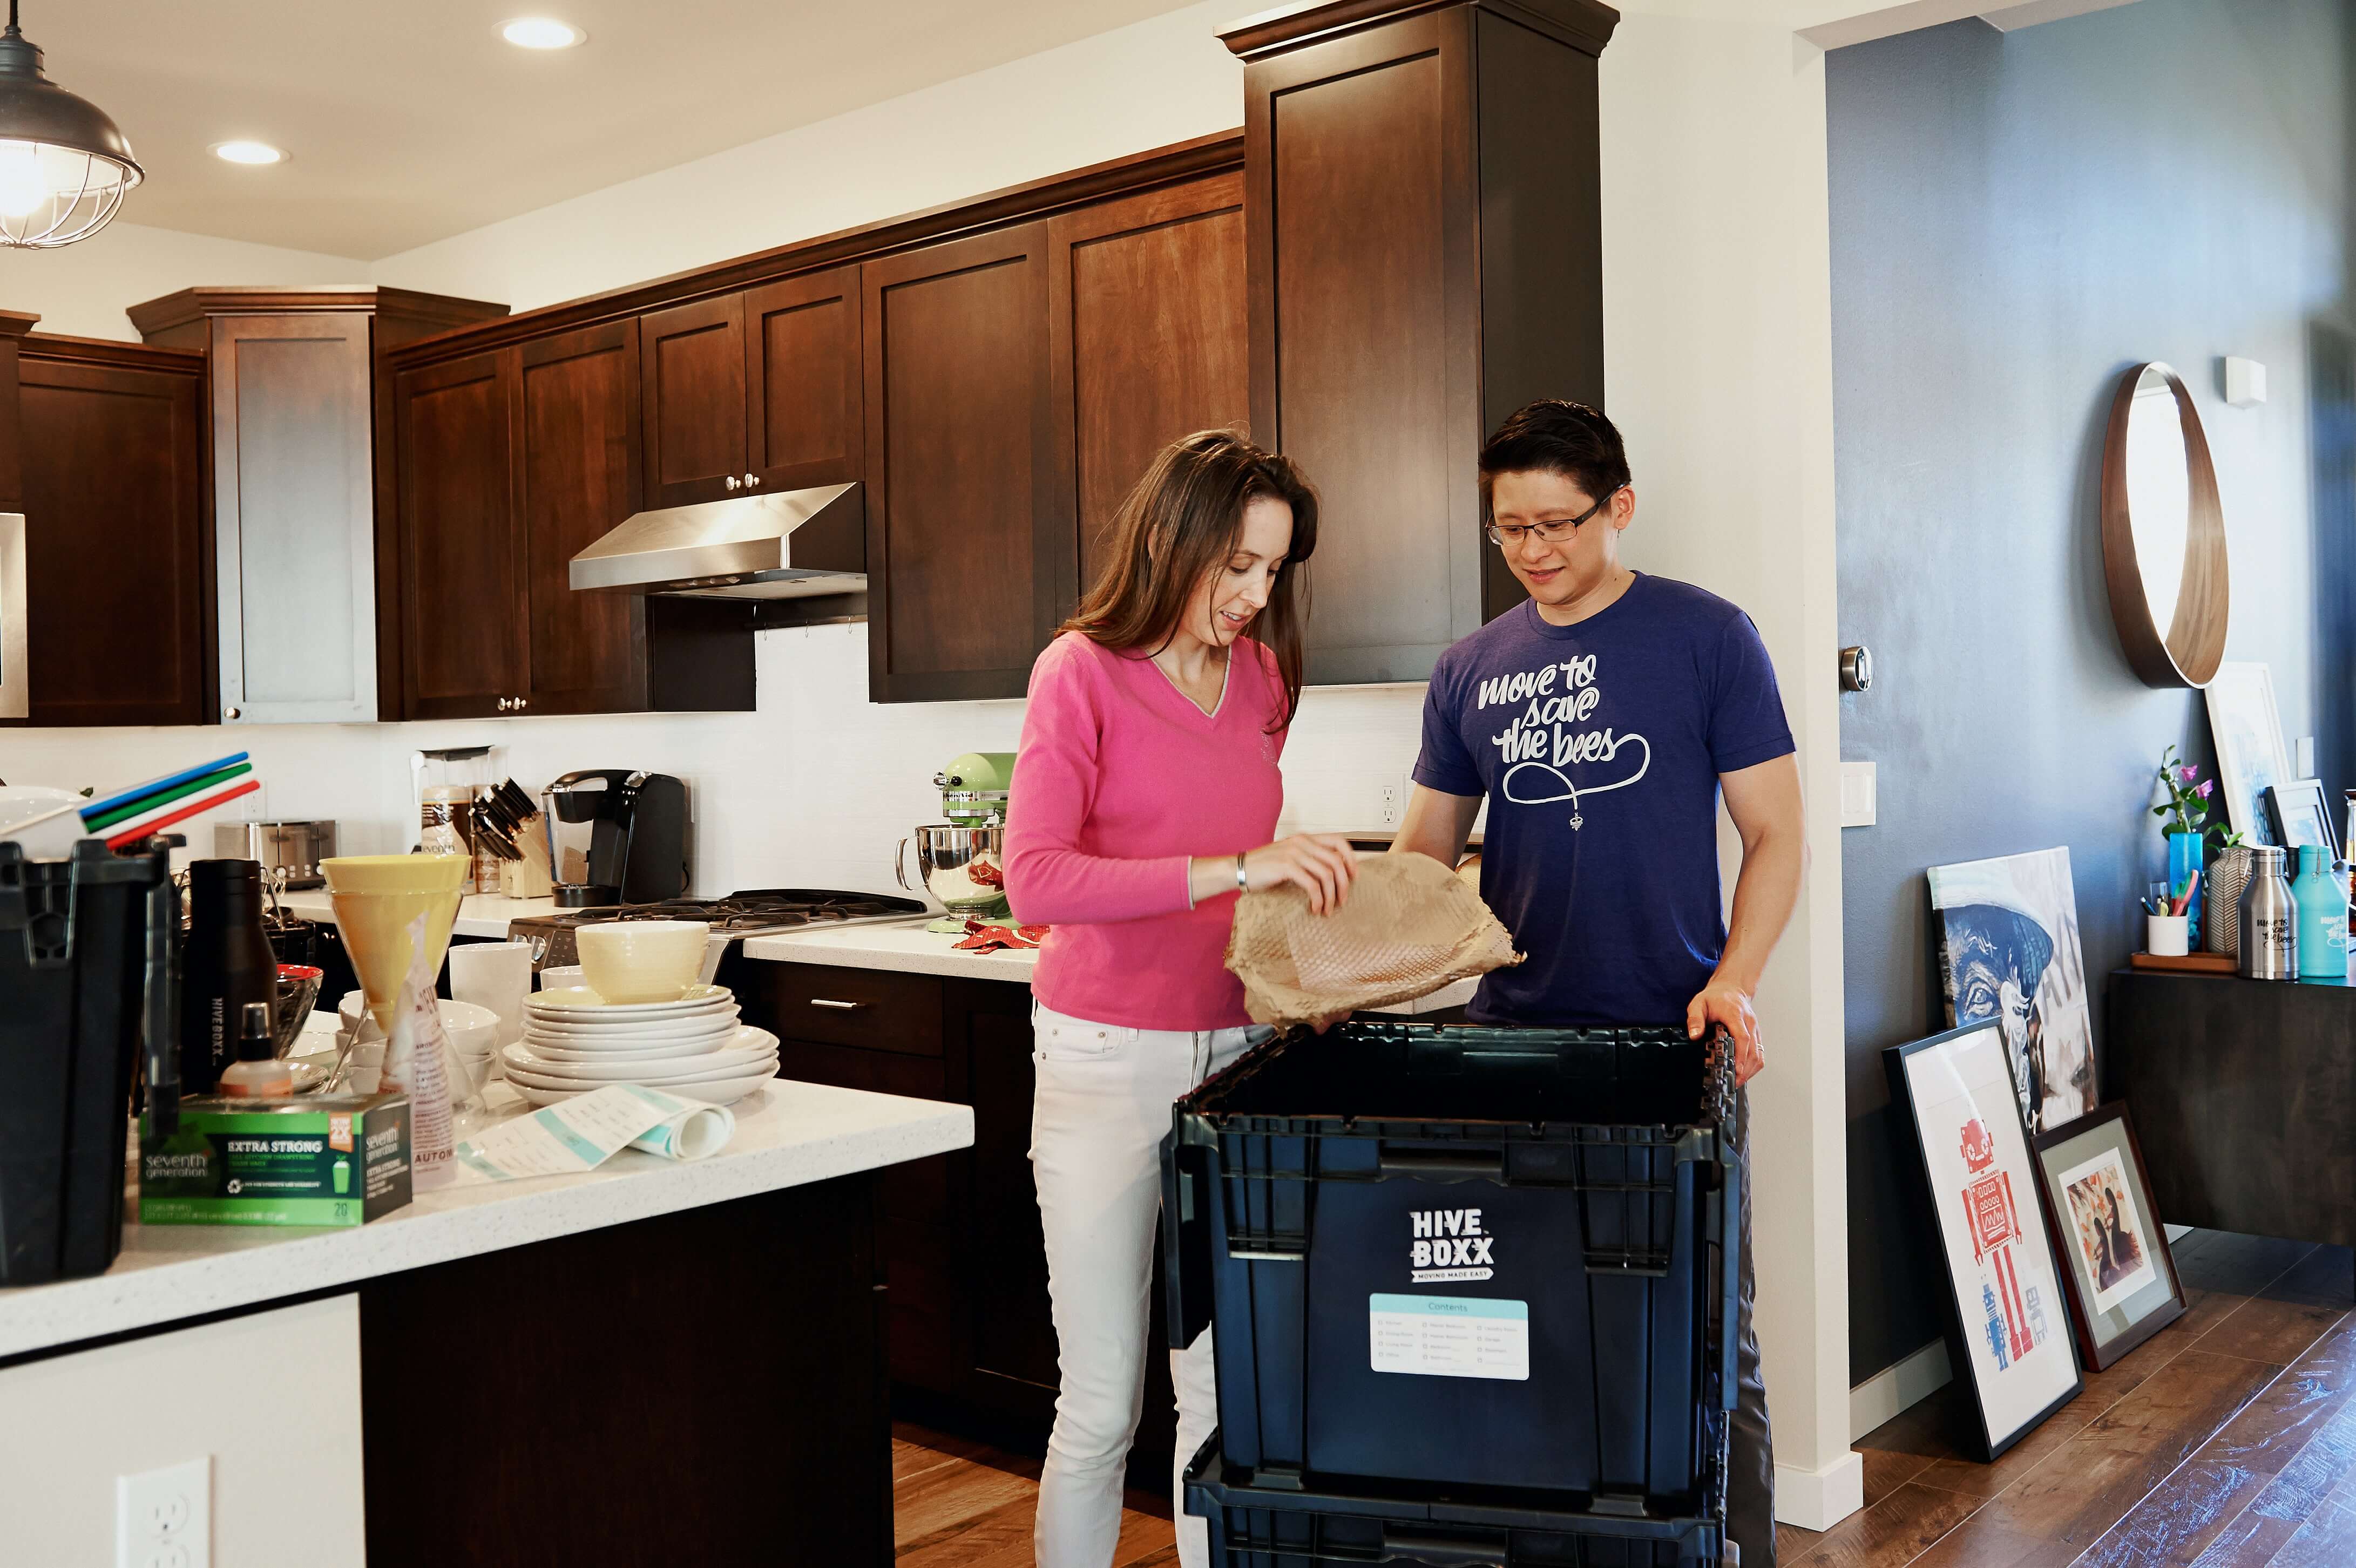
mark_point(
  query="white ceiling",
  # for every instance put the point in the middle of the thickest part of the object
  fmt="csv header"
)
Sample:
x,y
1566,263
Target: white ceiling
x,y
412,120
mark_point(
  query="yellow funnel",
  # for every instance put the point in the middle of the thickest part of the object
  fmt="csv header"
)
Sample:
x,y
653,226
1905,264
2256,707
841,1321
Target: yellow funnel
x,y
376,898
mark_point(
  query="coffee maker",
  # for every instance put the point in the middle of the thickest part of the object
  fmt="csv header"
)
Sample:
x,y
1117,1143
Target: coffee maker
x,y
637,849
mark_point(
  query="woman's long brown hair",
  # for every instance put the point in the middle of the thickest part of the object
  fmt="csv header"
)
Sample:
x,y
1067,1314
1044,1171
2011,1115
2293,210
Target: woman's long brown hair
x,y
1182,523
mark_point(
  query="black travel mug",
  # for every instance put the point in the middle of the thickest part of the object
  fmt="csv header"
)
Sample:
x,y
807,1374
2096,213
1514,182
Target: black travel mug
x,y
228,964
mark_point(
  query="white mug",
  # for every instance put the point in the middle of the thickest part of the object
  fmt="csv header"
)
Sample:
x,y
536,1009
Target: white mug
x,y
498,976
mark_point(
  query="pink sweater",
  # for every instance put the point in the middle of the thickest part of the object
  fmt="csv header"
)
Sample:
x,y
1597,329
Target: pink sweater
x,y
1120,781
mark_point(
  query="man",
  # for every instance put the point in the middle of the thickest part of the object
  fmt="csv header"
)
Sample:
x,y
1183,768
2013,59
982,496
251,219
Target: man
x,y
1602,722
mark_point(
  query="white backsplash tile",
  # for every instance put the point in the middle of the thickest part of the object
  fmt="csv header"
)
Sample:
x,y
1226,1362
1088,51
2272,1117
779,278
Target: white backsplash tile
x,y
813,789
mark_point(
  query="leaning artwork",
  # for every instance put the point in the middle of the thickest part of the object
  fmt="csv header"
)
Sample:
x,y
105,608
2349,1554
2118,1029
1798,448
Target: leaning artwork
x,y
2108,1232
2009,952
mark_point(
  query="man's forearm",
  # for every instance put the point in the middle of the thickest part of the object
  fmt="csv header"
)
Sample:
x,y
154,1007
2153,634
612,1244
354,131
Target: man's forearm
x,y
1765,893
1435,825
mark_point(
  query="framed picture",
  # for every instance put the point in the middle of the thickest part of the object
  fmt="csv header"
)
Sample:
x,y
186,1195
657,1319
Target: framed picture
x,y
2007,1341
2121,1282
2247,729
2301,815
2009,952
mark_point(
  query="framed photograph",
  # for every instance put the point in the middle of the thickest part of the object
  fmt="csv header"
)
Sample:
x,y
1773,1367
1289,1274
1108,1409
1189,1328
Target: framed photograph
x,y
2007,1341
2247,729
2008,951
2121,1280
2301,815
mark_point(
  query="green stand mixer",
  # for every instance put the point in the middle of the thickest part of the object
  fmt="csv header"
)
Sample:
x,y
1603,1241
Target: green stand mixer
x,y
960,861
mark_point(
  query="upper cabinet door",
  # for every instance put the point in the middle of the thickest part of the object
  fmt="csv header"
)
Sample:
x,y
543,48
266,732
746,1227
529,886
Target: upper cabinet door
x,y
462,557
1147,323
803,418
295,518
115,564
1366,332
692,369
577,476
969,534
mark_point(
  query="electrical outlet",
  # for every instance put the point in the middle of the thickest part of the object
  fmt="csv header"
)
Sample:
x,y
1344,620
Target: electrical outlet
x,y
1391,796
164,1519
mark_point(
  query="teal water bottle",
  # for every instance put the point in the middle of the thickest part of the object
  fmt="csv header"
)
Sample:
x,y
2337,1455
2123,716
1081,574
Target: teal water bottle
x,y
2322,917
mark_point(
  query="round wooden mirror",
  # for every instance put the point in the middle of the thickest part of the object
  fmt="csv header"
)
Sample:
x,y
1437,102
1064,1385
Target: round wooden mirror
x,y
2163,532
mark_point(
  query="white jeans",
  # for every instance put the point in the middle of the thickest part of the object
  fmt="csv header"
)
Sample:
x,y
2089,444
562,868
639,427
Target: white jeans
x,y
1096,1123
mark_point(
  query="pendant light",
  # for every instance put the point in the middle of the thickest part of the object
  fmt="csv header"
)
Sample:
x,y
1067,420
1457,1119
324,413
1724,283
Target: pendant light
x,y
64,165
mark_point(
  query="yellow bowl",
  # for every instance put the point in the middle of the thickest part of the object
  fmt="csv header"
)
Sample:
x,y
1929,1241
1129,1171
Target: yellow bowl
x,y
376,898
642,960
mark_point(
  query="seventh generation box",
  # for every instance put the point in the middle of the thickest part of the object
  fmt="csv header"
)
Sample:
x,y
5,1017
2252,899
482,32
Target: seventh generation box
x,y
308,1160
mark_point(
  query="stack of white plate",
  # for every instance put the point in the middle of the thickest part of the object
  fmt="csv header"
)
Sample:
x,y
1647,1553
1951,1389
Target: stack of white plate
x,y
575,1042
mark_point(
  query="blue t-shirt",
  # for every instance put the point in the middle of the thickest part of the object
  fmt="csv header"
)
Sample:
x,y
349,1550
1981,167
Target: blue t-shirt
x,y
1600,747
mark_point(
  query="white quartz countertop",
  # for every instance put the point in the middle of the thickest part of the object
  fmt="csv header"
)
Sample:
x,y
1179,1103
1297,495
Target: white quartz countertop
x,y
912,950
789,1134
479,915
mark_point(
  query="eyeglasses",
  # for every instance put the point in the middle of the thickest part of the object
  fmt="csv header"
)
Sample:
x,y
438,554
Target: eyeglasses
x,y
1506,536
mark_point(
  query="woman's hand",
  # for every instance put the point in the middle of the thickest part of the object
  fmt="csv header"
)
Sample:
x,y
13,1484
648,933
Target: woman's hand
x,y
1322,865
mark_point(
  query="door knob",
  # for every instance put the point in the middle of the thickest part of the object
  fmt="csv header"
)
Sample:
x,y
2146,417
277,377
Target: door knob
x,y
233,713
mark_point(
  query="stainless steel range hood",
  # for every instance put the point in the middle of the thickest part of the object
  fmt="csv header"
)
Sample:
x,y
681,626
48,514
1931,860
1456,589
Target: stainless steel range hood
x,y
794,544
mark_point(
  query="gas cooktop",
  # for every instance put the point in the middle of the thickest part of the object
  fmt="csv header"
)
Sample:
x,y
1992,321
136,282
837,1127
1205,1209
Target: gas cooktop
x,y
757,912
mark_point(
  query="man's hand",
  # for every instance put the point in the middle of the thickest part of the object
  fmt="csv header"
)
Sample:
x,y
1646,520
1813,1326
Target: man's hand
x,y
1724,1002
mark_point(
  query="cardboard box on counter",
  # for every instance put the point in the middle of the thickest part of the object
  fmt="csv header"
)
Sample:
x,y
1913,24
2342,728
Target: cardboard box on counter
x,y
338,1159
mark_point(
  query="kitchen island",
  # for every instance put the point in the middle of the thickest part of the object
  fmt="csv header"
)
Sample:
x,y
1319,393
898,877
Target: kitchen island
x,y
606,1367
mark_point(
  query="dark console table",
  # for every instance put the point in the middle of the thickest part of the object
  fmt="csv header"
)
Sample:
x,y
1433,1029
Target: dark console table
x,y
2243,1094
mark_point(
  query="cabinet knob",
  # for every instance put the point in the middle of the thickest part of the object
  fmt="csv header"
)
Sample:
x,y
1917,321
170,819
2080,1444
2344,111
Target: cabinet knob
x,y
732,482
233,713
752,481
521,703
503,705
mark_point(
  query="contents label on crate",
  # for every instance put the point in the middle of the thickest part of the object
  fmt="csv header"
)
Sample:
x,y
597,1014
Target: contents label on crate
x,y
1450,1336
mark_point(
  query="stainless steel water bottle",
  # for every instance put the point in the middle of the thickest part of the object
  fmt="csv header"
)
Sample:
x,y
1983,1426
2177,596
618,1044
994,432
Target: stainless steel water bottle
x,y
2269,918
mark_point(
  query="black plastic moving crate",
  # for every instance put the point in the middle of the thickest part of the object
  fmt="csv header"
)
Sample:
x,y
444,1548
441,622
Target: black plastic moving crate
x,y
1460,1254
1266,1527
72,981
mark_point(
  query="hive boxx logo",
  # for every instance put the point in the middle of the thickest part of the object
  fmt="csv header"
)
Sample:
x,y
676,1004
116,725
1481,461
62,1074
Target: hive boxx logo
x,y
1448,1244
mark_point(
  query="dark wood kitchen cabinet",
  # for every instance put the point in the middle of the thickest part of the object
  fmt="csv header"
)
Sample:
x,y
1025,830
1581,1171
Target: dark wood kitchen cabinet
x,y
299,462
752,392
1146,317
509,462
967,528
1425,257
972,1341
118,568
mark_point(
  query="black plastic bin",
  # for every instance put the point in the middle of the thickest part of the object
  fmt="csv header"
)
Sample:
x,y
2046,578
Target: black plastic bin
x,y
1267,1527
1463,1255
73,984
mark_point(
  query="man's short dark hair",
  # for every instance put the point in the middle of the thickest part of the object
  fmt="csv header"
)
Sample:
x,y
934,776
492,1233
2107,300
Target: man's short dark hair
x,y
1553,436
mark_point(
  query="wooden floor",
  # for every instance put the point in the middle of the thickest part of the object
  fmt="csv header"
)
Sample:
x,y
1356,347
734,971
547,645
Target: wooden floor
x,y
963,1505
2228,1440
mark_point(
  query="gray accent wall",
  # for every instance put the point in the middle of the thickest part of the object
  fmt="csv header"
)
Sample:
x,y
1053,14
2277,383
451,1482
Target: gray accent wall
x,y
2016,220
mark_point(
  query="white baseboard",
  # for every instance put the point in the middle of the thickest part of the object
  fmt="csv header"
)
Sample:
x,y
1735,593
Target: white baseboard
x,y
1819,1499
1897,1388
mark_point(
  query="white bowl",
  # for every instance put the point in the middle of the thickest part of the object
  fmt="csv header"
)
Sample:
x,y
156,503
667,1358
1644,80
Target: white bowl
x,y
459,1019
642,960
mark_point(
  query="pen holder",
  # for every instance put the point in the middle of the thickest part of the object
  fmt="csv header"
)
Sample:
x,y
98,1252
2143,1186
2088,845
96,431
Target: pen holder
x,y
2167,935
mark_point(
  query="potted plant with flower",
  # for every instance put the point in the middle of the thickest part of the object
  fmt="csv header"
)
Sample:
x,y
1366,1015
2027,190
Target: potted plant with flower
x,y
2185,824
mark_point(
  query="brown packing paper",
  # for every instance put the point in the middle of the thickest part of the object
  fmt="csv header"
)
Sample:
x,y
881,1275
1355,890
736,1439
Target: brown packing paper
x,y
1409,927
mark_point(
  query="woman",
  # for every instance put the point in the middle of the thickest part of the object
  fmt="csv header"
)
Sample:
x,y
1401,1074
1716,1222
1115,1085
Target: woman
x,y
1144,797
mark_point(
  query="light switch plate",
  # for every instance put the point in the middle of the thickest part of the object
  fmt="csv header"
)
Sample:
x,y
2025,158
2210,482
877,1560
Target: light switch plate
x,y
1857,788
164,1519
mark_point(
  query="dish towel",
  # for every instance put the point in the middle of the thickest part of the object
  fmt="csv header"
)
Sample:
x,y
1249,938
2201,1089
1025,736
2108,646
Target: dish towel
x,y
981,938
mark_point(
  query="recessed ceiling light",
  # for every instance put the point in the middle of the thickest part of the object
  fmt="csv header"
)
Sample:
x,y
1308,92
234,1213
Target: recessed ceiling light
x,y
541,33
248,153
